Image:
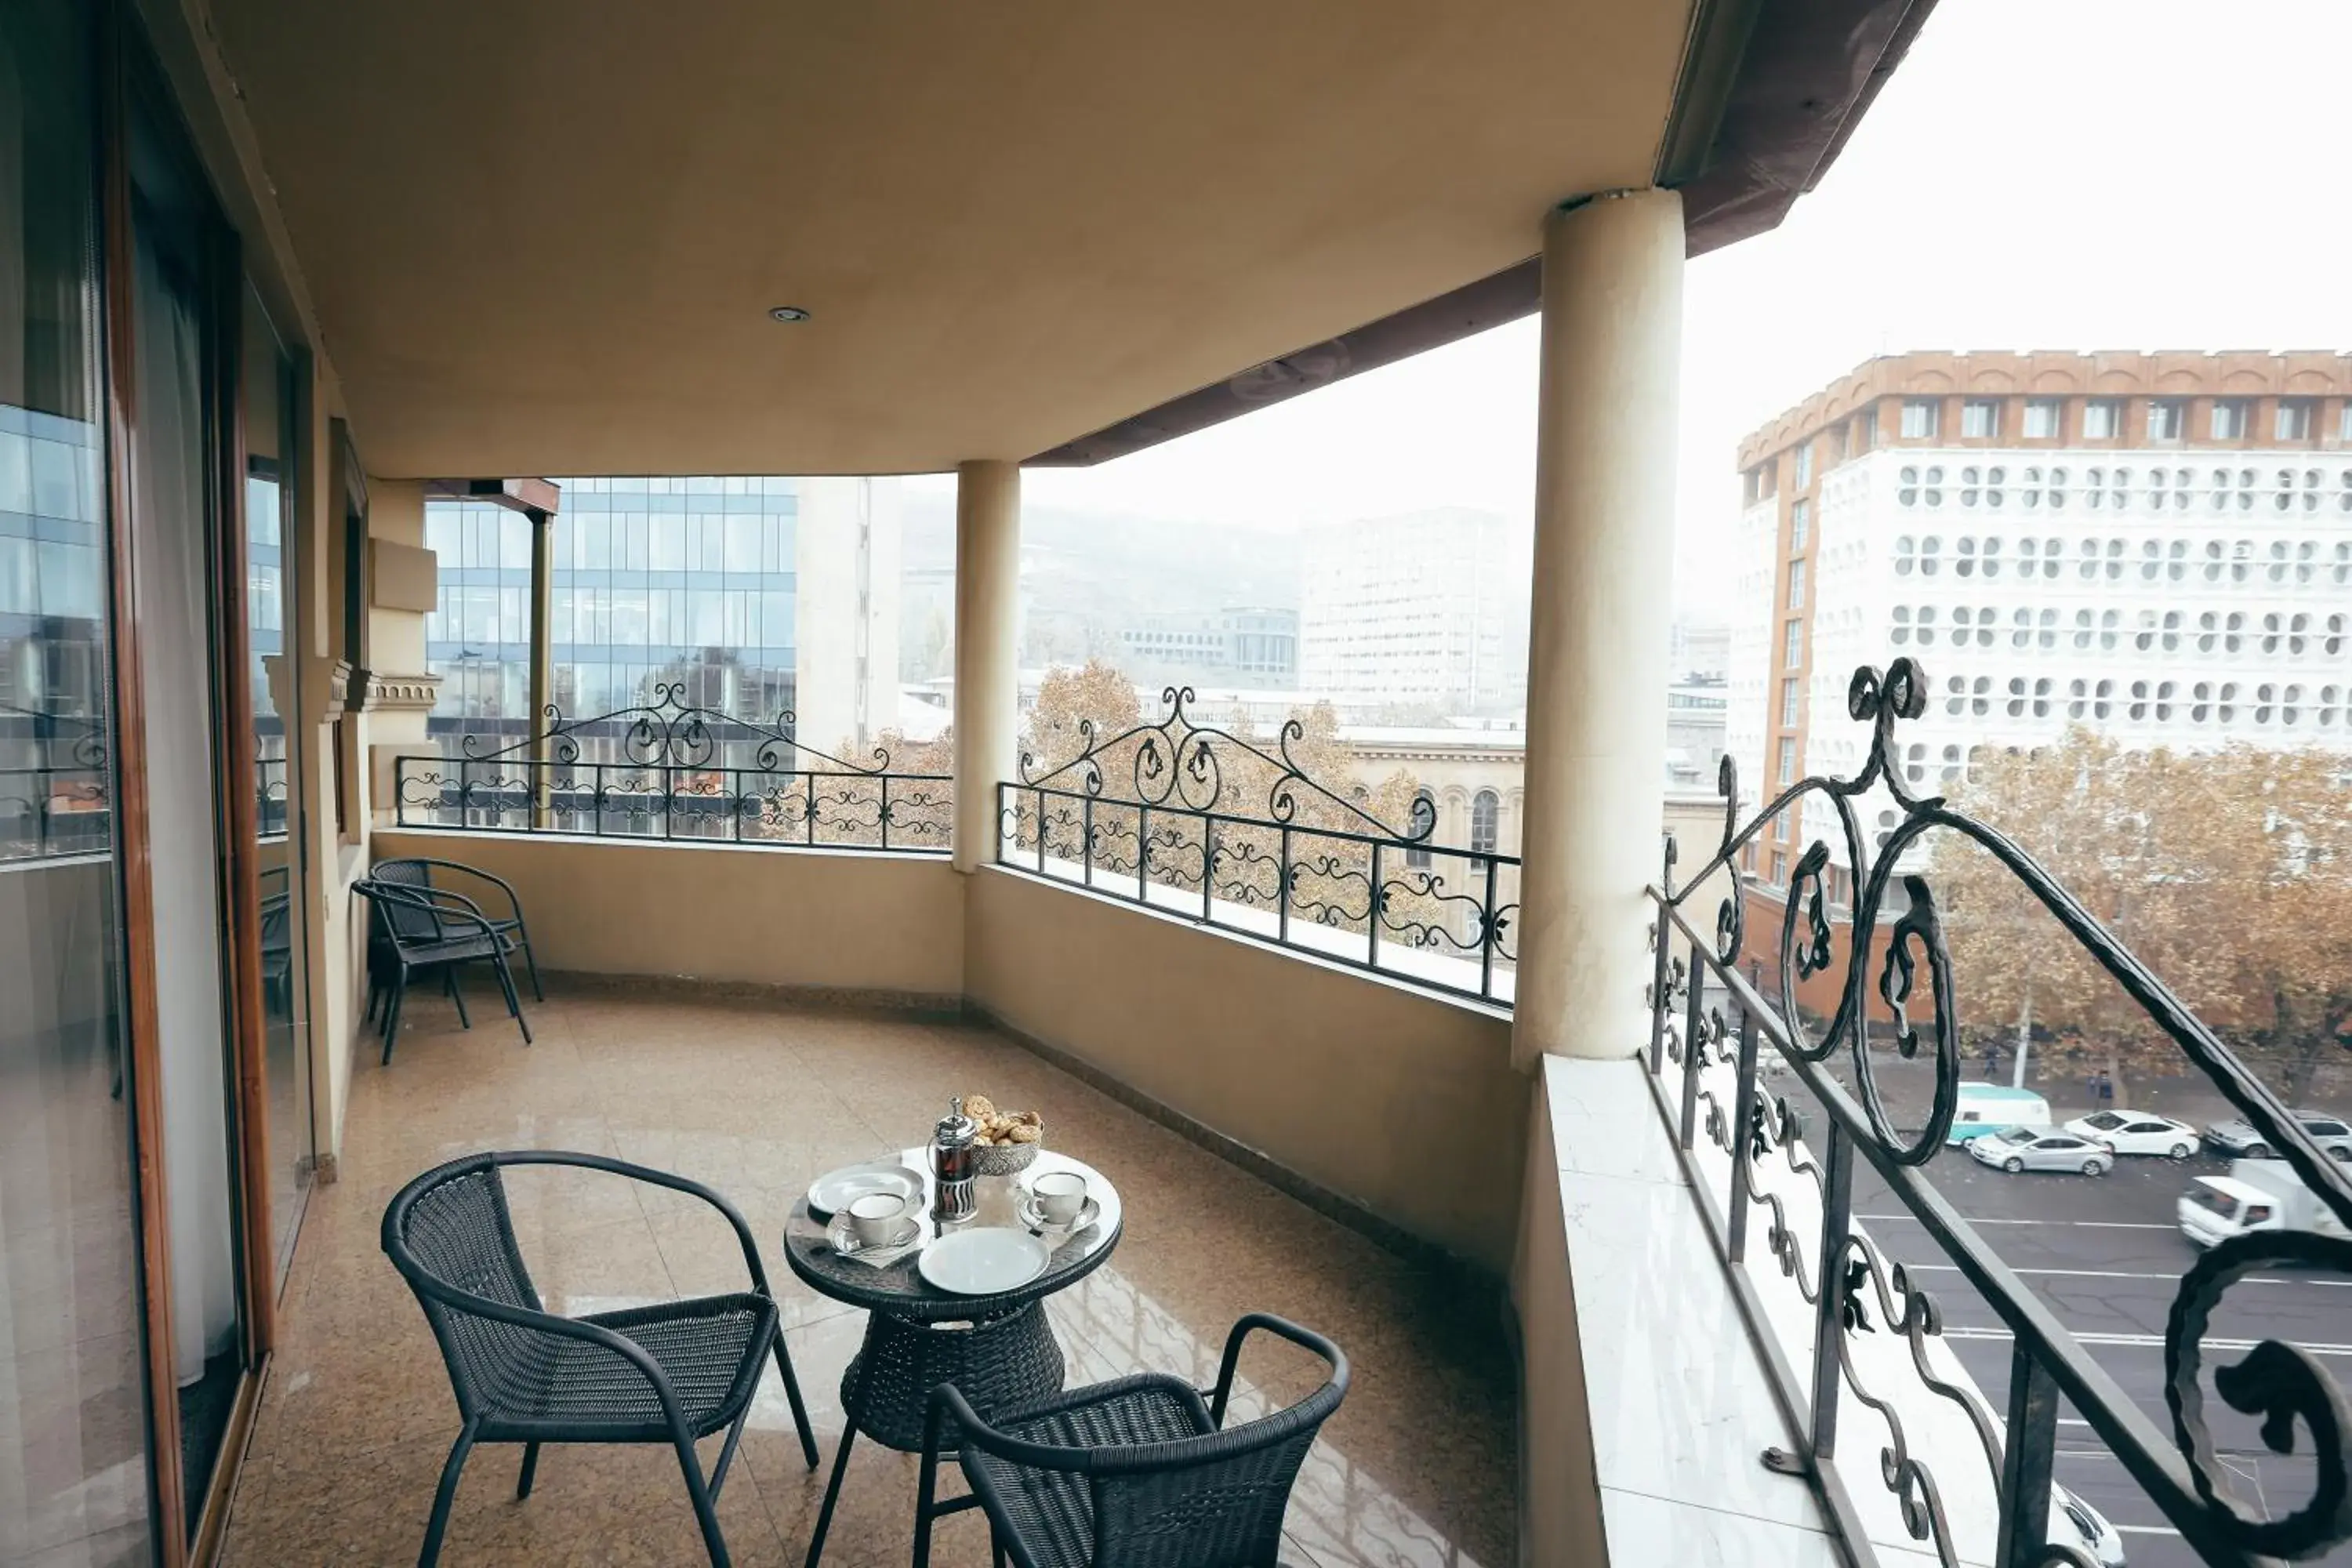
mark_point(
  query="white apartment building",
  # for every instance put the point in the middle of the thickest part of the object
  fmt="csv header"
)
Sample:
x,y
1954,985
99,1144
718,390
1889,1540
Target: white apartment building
x,y
1424,608
2171,570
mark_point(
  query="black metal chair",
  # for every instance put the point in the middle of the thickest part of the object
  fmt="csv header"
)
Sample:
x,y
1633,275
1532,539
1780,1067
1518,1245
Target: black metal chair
x,y
277,885
429,929
671,1373
418,871
1135,1472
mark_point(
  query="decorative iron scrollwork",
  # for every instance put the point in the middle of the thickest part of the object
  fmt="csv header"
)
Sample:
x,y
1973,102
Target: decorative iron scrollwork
x,y
1890,944
672,769
1195,779
1148,813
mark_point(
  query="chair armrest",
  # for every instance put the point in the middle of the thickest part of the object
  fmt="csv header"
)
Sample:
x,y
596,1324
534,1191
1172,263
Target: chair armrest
x,y
440,903
647,1174
555,1323
1307,1339
948,1404
503,885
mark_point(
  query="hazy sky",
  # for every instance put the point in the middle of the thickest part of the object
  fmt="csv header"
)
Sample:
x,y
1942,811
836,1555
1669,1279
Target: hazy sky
x,y
2040,174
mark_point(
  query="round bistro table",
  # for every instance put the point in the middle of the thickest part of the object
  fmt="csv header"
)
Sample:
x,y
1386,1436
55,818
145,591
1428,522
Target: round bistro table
x,y
997,1349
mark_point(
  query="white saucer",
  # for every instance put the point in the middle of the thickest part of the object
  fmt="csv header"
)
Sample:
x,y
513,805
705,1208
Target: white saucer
x,y
836,1190
845,1242
1032,1215
984,1261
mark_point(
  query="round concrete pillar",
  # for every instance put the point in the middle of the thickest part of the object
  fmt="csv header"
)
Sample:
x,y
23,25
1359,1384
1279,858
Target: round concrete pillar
x,y
1596,653
987,650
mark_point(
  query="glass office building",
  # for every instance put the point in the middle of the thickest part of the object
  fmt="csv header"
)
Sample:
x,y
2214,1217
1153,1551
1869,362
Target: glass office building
x,y
684,582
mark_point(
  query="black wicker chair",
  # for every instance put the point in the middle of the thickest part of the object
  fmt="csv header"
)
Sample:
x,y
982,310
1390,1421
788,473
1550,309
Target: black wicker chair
x,y
416,871
419,928
671,1373
1135,1472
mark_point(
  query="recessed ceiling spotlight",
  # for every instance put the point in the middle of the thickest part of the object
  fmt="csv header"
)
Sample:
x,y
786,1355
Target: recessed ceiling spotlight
x,y
787,313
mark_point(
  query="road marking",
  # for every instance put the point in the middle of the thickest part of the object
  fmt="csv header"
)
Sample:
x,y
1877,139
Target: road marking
x,y
2118,1274
2142,1529
2076,1224
2141,1342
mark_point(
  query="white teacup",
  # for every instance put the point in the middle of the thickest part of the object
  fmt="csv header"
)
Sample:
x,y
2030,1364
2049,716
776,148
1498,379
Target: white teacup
x,y
875,1217
1061,1196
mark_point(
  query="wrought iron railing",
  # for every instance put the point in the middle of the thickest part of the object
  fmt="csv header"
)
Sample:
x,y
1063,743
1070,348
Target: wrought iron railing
x,y
1744,1151
270,804
55,791
667,770
1313,869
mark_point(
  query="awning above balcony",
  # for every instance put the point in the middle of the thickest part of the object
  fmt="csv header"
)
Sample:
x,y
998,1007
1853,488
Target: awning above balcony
x,y
542,236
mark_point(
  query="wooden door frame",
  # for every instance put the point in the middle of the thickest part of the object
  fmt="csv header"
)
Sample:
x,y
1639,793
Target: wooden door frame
x,y
128,73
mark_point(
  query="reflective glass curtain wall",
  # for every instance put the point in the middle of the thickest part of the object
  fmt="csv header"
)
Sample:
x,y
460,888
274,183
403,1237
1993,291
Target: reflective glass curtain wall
x,y
673,581
74,1482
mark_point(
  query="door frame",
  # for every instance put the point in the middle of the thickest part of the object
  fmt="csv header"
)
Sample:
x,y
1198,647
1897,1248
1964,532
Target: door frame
x,y
130,75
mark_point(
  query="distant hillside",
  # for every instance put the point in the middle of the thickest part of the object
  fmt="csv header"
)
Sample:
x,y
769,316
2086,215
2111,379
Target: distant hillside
x,y
1087,575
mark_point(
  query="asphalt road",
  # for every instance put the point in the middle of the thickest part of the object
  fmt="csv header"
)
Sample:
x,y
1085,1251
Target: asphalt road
x,y
2105,1255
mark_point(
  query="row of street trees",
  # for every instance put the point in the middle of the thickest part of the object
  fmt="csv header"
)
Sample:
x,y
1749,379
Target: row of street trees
x,y
2228,873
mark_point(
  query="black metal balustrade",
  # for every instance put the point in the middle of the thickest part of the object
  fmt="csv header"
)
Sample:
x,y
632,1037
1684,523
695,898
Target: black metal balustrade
x,y
269,796
670,770
54,790
1704,1070
1318,872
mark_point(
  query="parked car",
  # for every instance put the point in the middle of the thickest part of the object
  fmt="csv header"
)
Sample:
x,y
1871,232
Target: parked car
x,y
2257,1195
2137,1132
1990,1107
2240,1141
2093,1536
2015,1149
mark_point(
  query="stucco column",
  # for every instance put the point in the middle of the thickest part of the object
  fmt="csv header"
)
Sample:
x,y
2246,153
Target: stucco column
x,y
1604,520
987,650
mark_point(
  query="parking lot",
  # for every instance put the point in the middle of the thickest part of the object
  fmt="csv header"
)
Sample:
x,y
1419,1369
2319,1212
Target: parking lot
x,y
2106,1254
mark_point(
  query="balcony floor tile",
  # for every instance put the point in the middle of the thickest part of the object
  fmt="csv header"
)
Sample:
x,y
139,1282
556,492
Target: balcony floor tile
x,y
757,1099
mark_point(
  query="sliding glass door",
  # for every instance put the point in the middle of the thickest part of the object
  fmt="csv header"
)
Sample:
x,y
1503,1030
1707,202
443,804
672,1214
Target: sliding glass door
x,y
74,1478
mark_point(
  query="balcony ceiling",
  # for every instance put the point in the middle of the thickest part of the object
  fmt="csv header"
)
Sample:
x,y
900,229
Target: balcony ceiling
x,y
542,236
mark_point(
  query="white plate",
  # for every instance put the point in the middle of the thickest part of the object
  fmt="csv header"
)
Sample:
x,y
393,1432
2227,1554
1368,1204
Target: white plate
x,y
983,1262
836,1190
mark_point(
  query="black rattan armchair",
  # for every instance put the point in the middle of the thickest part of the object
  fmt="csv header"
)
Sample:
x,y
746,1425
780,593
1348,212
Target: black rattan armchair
x,y
1136,1472
419,928
418,871
671,1373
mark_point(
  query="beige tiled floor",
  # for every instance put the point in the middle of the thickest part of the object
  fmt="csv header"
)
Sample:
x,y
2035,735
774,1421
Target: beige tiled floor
x,y
757,1099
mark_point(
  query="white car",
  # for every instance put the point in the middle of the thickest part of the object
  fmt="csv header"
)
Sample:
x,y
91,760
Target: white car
x,y
2093,1534
2137,1132
2015,1149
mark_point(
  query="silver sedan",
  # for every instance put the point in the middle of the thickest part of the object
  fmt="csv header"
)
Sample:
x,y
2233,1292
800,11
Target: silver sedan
x,y
2015,1149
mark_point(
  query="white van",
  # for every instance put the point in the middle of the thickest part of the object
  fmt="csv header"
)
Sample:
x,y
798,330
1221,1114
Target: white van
x,y
1990,1107
2257,1195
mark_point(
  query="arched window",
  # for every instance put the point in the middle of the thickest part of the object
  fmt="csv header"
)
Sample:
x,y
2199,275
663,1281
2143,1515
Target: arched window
x,y
1486,814
1424,809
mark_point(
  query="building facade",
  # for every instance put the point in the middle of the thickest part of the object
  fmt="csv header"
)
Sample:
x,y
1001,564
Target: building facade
x,y
1247,646
2157,546
1424,609
752,595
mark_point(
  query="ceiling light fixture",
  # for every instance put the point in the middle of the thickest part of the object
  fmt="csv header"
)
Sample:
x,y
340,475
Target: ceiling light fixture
x,y
787,313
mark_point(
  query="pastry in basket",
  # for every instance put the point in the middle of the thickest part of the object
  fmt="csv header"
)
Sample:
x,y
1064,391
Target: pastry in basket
x,y
1007,1139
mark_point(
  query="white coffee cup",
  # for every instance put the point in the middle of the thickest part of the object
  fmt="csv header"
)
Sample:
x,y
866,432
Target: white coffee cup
x,y
1061,1196
875,1217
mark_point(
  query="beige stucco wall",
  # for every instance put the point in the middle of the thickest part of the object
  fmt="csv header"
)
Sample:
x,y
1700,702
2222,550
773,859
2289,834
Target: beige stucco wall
x,y
841,920
1396,1100
1560,1487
